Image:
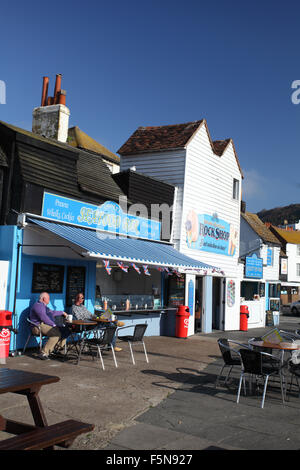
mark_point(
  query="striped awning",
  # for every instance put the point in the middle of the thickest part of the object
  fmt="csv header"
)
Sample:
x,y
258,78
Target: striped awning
x,y
98,244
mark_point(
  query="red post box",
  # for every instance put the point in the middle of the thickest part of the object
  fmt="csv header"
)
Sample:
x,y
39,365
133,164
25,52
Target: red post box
x,y
5,324
244,315
182,321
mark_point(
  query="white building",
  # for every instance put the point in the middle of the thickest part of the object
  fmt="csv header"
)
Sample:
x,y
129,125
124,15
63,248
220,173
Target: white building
x,y
259,269
206,213
289,263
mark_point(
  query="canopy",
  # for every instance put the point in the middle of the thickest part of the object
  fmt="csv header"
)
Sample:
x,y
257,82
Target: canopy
x,y
113,247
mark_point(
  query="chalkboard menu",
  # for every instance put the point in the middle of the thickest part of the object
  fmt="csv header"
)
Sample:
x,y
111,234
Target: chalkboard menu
x,y
75,283
47,278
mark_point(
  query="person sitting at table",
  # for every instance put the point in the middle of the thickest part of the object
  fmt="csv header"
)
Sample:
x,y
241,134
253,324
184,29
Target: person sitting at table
x,y
44,318
80,312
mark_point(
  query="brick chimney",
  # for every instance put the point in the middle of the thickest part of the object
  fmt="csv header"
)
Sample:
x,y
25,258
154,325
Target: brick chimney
x,y
51,119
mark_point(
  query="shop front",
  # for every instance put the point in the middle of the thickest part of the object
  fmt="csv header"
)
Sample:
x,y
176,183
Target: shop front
x,y
63,252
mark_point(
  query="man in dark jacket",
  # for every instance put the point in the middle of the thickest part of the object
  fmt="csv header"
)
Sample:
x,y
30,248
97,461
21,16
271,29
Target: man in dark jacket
x,y
43,317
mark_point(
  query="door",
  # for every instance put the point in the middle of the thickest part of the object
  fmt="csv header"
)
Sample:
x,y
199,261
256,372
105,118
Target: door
x,y
198,303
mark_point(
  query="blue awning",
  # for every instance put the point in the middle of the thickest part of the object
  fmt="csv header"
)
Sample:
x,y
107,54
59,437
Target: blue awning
x,y
113,247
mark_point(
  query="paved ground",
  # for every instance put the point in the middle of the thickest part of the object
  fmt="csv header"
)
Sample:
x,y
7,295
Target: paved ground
x,y
170,403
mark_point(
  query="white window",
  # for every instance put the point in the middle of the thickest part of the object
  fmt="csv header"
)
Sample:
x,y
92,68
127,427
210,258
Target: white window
x,y
298,250
298,269
236,189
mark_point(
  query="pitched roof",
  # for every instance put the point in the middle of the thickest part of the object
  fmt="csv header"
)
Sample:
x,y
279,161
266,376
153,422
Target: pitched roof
x,y
78,138
160,138
260,228
59,167
290,236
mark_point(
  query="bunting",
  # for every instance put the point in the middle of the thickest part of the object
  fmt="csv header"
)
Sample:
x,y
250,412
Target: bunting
x,y
146,270
123,267
106,265
136,268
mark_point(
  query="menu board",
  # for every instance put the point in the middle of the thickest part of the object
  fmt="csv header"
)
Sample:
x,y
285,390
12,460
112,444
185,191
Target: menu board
x,y
47,278
75,283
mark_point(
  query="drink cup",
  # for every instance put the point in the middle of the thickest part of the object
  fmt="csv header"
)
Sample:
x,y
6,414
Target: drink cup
x,y
70,318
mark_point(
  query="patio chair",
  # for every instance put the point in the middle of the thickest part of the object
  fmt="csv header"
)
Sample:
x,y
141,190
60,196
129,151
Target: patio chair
x,y
39,334
230,355
295,372
104,341
253,364
137,337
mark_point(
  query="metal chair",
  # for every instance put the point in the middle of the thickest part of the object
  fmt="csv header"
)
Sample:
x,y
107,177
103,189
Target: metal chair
x,y
39,334
104,341
253,364
137,337
230,355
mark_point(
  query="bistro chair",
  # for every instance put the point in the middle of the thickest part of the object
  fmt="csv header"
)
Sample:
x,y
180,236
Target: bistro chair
x,y
39,334
231,356
104,341
253,364
295,372
137,337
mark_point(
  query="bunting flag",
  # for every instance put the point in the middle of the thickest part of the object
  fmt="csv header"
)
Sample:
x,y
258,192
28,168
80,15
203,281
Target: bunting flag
x,y
146,270
160,269
168,271
136,268
123,267
106,265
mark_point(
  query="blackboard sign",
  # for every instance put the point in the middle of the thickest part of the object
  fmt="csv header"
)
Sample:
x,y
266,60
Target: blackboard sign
x,y
75,283
47,278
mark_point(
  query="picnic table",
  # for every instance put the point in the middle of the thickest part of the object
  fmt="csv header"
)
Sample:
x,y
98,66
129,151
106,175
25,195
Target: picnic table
x,y
39,435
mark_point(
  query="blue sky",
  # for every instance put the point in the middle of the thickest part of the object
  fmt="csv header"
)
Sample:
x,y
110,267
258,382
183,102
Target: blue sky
x,y
136,63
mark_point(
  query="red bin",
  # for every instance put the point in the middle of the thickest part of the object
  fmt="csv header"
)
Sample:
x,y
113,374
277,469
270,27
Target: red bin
x,y
244,315
5,321
182,321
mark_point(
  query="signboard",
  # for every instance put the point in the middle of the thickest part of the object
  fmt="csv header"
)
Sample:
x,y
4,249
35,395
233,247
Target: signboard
x,y
269,257
254,267
209,233
47,278
284,268
75,283
107,217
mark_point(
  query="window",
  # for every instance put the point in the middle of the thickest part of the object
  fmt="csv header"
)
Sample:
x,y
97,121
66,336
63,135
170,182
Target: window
x,y
298,250
236,189
298,269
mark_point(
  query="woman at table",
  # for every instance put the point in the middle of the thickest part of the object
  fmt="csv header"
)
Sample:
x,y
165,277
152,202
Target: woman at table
x,y
80,312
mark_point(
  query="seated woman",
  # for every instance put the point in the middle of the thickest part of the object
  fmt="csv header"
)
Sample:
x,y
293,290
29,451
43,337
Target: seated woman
x,y
80,312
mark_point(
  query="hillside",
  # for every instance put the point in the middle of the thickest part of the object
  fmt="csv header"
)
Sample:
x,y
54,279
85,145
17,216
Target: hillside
x,y
278,215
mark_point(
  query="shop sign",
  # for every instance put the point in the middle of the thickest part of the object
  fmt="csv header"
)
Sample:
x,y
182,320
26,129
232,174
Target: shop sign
x,y
254,267
284,268
107,217
209,233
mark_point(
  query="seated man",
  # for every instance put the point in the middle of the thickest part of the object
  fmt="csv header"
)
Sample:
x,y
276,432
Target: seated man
x,y
80,312
43,317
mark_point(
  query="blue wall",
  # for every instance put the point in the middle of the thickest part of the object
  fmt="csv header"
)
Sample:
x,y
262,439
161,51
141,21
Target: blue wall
x,y
10,236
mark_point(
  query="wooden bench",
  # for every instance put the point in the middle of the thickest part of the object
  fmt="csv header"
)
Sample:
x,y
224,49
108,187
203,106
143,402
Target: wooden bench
x,y
62,434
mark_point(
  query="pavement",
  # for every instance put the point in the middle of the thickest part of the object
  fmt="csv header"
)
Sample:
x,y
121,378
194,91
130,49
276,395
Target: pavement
x,y
171,403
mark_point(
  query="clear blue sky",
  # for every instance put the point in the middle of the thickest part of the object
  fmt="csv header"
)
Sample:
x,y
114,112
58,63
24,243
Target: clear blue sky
x,y
136,63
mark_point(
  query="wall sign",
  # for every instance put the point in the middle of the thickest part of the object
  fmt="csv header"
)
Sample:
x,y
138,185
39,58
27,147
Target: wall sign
x,y
107,217
209,233
254,267
47,278
75,283
231,293
191,296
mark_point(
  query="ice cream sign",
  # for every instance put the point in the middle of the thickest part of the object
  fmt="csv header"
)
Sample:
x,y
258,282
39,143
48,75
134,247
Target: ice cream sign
x,y
209,233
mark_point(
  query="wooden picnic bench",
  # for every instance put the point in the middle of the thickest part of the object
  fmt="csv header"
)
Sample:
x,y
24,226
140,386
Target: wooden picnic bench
x,y
39,435
62,434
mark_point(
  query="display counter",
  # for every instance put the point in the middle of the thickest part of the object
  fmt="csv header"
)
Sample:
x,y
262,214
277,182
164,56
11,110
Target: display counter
x,y
160,321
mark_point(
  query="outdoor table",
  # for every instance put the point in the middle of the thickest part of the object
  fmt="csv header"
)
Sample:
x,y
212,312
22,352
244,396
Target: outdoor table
x,y
283,346
83,327
28,384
